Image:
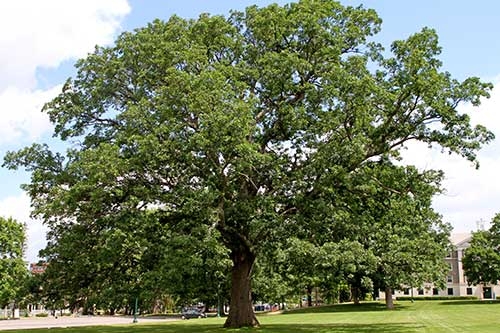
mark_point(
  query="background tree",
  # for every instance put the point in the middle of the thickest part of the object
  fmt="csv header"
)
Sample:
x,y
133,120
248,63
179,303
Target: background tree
x,y
269,284
481,261
158,259
400,227
13,270
242,124
32,293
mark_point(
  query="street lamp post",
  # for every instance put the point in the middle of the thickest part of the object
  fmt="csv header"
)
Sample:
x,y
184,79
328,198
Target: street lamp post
x,y
218,304
135,311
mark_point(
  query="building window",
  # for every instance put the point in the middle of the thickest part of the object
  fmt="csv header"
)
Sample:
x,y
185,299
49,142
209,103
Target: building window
x,y
435,291
406,291
450,291
420,291
469,291
449,279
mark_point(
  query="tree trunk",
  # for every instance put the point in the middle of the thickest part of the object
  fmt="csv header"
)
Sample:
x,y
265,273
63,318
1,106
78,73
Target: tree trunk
x,y
388,298
309,296
241,312
207,306
355,295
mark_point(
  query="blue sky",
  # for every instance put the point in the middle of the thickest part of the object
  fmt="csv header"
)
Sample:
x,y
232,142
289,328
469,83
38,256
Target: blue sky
x,y
41,40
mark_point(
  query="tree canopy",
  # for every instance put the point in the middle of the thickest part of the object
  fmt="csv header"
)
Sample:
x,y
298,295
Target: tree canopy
x,y
398,225
481,261
13,270
246,129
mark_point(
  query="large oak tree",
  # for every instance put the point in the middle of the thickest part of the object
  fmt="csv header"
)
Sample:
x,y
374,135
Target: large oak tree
x,y
242,124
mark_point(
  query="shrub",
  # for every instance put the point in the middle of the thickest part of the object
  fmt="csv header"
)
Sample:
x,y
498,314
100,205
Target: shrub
x,y
435,298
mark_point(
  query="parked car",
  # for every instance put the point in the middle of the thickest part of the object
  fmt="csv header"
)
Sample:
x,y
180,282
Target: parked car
x,y
261,307
192,313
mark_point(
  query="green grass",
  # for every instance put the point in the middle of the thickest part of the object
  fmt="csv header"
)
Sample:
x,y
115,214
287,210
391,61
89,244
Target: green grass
x,y
422,316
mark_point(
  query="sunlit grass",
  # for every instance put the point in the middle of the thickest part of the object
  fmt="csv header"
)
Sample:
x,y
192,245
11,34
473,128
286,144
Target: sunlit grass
x,y
421,316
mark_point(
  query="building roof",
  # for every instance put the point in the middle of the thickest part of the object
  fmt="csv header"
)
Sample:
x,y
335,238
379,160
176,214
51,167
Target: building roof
x,y
460,239
457,237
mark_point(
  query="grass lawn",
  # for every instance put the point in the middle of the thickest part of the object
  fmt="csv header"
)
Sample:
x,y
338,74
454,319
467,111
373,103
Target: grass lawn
x,y
421,316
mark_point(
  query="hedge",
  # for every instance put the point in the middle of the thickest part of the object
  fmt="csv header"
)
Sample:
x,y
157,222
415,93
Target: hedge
x,y
436,298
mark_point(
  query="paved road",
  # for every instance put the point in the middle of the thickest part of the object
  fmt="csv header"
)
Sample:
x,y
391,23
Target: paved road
x,y
27,323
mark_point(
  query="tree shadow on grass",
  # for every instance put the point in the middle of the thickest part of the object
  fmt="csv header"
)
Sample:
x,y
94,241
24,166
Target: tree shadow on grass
x,y
341,328
270,328
348,307
133,328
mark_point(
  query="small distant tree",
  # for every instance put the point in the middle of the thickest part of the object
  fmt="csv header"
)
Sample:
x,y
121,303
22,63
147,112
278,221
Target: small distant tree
x,y
481,261
32,291
406,235
13,270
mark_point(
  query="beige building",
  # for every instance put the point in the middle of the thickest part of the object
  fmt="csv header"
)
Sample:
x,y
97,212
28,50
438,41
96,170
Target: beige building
x,y
456,281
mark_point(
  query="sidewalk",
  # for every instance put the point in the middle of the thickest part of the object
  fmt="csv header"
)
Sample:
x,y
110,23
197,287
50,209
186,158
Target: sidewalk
x,y
50,322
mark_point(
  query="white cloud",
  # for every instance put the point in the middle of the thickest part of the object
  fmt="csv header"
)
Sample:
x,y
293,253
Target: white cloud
x,y
37,34
18,207
22,119
44,34
472,195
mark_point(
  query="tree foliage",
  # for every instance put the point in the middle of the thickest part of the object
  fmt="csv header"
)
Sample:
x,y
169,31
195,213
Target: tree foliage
x,y
481,261
389,236
401,229
13,270
250,127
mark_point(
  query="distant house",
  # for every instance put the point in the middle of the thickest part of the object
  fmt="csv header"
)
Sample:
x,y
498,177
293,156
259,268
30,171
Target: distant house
x,y
456,281
38,268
